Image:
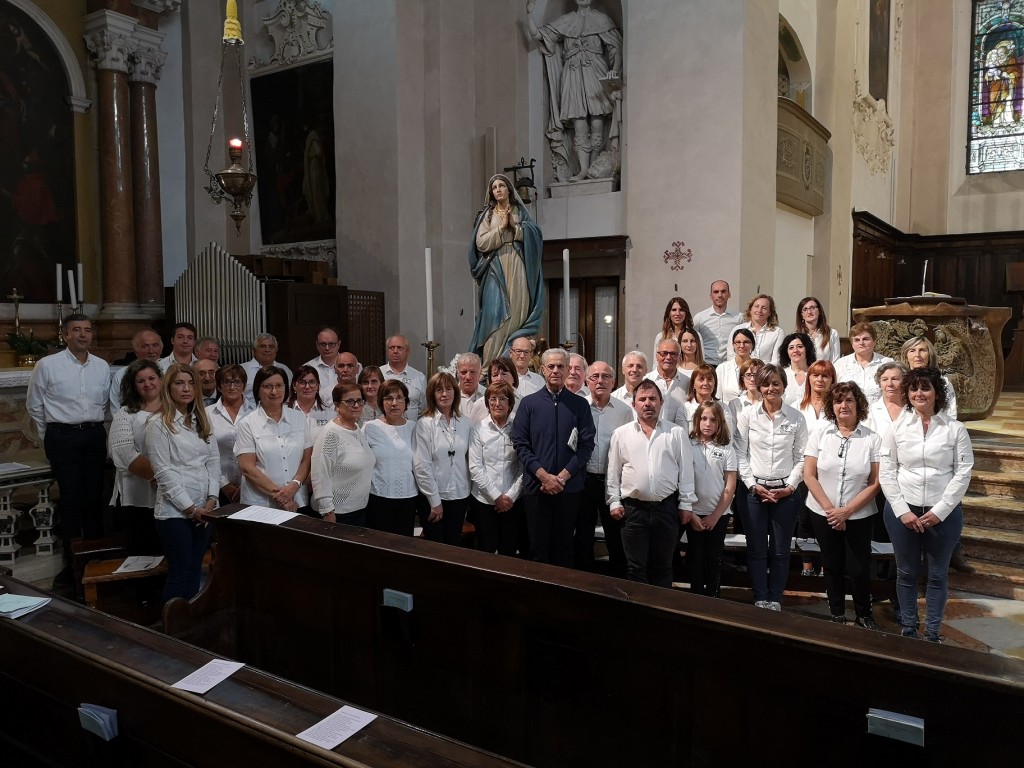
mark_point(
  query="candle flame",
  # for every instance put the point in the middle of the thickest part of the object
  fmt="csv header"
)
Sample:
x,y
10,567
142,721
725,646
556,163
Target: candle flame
x,y
236,143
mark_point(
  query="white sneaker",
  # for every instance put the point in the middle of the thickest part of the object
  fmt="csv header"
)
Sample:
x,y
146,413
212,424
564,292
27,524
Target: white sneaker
x,y
762,604
773,606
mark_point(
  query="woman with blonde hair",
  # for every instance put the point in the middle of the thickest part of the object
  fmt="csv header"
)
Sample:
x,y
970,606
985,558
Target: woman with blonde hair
x,y
186,466
763,321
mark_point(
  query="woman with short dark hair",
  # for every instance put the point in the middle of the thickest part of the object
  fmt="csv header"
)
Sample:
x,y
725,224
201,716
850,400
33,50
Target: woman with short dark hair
x,y
224,415
342,465
392,503
497,475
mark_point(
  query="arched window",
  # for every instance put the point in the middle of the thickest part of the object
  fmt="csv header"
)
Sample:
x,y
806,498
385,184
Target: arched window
x,y
995,136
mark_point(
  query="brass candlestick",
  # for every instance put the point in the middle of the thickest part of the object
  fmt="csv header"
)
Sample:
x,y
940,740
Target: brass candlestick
x,y
431,346
60,325
567,345
16,298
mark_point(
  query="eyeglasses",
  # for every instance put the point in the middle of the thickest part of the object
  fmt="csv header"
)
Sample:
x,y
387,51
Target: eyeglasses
x,y
353,402
749,375
307,383
232,383
496,400
600,376
520,351
327,344
394,399
667,353
272,387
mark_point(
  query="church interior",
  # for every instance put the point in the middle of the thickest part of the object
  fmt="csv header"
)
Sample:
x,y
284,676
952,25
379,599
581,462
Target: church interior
x,y
321,162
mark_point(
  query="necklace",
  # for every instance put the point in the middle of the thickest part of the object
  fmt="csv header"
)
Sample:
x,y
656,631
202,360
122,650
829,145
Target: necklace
x,y
449,436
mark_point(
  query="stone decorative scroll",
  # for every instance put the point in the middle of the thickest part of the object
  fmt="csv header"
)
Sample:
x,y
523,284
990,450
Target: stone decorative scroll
x,y
319,250
300,31
873,131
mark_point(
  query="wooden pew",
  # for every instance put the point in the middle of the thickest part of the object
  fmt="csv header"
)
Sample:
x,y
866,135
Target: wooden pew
x,y
556,667
65,654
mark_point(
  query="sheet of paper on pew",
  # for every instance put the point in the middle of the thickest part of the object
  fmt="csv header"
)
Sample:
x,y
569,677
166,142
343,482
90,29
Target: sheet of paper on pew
x,y
16,606
208,675
334,729
264,515
138,563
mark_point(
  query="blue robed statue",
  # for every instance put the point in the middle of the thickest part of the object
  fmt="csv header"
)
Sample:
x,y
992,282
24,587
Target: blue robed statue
x,y
505,260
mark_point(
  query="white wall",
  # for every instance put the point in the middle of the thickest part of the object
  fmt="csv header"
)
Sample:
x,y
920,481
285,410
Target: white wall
x,y
171,129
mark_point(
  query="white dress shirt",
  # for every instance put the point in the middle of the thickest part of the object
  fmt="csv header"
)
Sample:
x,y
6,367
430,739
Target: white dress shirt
x,y
879,419
529,383
328,379
440,448
794,390
415,382
650,469
715,331
624,395
813,420
728,374
127,442
318,419
494,467
831,350
393,476
224,432
929,470
680,381
606,421
252,367
278,446
849,369
710,463
476,410
843,465
167,362
62,390
771,448
186,467
341,470
737,406
767,343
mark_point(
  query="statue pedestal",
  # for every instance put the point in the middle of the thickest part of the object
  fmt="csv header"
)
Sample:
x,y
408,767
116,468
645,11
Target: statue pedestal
x,y
966,339
582,187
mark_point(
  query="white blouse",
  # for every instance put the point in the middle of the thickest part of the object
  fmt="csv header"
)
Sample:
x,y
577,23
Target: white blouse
x,y
186,467
794,390
767,343
278,446
710,463
494,466
728,374
771,448
831,350
318,419
393,476
127,442
849,369
879,419
341,470
440,448
930,470
224,432
843,466
814,421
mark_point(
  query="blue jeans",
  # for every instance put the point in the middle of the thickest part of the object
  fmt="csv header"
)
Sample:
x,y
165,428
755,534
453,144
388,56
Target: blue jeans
x,y
937,543
769,529
184,545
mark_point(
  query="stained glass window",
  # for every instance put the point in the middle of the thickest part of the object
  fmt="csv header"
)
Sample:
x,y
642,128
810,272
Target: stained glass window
x,y
996,132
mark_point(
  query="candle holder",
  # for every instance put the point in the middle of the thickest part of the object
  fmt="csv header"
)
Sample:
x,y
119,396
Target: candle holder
x,y
431,346
567,345
60,325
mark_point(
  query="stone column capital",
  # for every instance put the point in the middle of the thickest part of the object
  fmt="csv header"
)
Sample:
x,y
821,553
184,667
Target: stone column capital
x,y
148,56
109,38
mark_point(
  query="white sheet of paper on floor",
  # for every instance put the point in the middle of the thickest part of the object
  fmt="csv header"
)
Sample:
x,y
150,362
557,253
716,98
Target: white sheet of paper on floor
x,y
334,729
99,720
895,725
208,675
13,466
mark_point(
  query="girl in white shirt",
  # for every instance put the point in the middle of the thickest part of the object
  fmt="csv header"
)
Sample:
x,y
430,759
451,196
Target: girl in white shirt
x,y
841,472
714,479
810,319
186,466
440,449
496,474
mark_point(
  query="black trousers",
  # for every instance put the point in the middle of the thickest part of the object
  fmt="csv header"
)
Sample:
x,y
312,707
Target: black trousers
x,y
592,509
551,520
704,558
77,457
448,529
846,552
497,531
391,515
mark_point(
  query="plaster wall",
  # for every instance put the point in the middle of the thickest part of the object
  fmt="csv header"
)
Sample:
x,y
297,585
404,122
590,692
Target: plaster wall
x,y
174,204
794,262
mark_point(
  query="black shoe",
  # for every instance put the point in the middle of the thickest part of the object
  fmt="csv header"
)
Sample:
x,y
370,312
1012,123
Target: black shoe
x,y
868,623
839,619
934,637
959,563
910,632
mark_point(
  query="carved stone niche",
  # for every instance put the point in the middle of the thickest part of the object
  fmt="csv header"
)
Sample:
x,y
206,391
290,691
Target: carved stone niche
x,y
800,159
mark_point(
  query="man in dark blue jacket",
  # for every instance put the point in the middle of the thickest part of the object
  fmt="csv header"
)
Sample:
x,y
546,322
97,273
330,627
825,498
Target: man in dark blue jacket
x,y
553,433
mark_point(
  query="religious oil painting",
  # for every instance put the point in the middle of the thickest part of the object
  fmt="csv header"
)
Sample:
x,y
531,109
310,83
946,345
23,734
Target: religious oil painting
x,y
996,132
37,170
878,50
293,118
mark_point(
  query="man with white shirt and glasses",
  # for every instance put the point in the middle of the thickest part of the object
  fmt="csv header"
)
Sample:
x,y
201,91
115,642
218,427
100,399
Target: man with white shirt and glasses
x,y
650,487
716,324
521,352
673,382
324,362
67,400
609,414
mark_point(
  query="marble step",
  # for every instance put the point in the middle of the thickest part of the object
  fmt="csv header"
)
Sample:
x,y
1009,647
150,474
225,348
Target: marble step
x,y
995,579
989,511
996,456
997,483
994,545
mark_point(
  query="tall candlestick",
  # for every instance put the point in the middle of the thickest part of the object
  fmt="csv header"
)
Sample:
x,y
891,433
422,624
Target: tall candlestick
x,y
81,284
924,274
430,295
565,295
60,283
71,287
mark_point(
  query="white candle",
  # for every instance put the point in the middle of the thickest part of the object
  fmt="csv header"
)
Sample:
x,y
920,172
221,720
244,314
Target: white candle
x,y
60,283
71,286
430,295
565,295
81,284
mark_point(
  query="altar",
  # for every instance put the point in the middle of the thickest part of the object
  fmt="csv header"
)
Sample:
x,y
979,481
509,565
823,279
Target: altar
x,y
966,338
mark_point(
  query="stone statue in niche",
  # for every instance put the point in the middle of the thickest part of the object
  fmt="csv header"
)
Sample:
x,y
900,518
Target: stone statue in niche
x,y
583,65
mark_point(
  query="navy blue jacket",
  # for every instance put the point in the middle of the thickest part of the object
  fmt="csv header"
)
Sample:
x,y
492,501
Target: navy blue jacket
x,y
540,434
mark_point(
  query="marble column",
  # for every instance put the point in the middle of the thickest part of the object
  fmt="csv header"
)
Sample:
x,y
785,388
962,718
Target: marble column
x,y
143,72
108,35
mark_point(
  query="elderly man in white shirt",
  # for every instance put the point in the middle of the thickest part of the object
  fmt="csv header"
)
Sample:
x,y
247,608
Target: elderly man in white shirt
x,y
67,402
323,363
146,345
397,367
650,487
521,352
673,382
468,373
716,324
634,370
609,414
576,374
264,354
